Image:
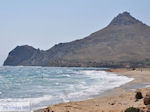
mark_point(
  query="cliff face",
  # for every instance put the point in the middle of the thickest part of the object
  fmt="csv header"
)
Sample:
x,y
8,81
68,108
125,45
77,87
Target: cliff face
x,y
124,42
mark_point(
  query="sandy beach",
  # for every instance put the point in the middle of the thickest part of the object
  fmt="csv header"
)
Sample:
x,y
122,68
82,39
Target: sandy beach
x,y
116,100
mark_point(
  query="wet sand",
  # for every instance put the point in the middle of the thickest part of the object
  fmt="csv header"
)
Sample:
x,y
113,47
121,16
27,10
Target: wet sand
x,y
115,100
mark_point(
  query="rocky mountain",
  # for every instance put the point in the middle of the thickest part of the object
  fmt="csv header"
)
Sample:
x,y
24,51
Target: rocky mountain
x,y
124,42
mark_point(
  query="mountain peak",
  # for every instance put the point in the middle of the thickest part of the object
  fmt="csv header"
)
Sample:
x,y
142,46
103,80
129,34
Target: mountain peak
x,y
124,19
126,13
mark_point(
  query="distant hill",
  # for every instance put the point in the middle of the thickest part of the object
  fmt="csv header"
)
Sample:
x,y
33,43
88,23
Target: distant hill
x,y
125,42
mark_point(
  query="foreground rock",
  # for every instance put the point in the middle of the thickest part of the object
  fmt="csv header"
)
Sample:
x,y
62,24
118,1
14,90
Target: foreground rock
x,y
147,99
138,95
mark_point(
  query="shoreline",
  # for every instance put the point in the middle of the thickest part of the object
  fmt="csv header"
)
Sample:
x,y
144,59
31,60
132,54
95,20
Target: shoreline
x,y
110,100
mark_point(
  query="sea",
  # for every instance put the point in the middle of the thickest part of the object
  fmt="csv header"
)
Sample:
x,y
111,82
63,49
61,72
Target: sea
x,y
44,86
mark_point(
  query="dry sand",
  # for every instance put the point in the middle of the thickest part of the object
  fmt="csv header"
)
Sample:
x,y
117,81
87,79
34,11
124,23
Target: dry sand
x,y
116,100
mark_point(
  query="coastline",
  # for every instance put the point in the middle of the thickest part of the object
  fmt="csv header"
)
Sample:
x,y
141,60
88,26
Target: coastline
x,y
115,100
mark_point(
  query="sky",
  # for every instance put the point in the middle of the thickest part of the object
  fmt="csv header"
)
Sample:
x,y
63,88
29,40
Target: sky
x,y
44,23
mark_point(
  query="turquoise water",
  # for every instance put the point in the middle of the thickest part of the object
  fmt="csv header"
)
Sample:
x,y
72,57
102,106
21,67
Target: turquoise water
x,y
42,86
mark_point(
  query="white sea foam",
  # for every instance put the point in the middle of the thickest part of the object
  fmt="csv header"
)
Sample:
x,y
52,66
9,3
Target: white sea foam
x,y
34,102
58,85
66,75
31,100
104,82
